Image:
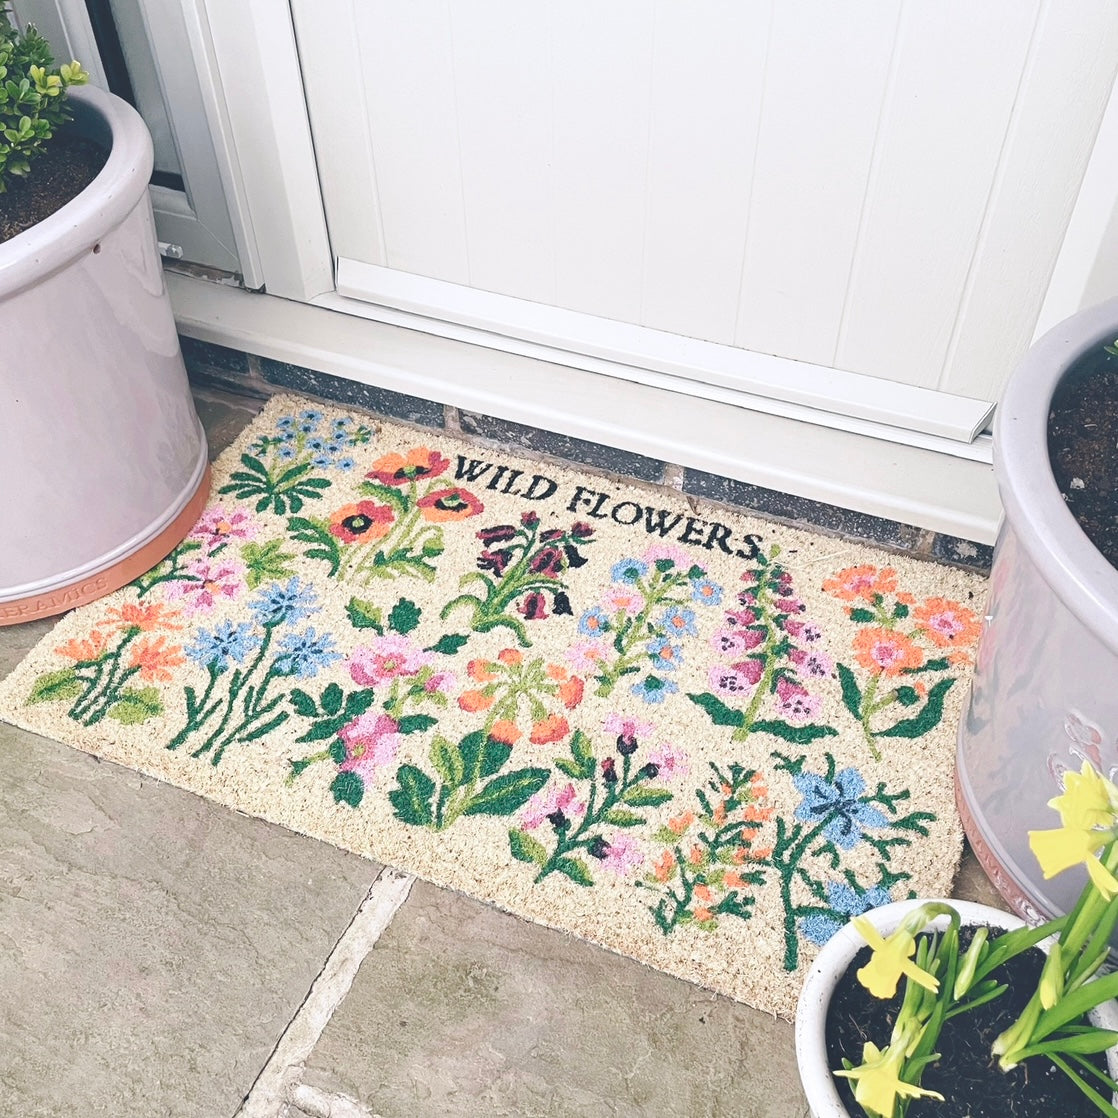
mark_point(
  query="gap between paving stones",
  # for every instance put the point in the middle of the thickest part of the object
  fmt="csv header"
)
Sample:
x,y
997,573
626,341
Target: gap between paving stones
x,y
277,1086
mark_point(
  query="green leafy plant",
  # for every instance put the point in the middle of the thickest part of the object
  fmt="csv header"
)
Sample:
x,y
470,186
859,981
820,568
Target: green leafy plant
x,y
942,982
32,97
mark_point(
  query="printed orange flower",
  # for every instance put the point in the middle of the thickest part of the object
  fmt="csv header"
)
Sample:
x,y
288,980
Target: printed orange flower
x,y
755,814
475,701
697,855
92,648
549,729
505,731
362,523
570,692
719,815
481,670
702,915
885,652
861,582
734,880
947,623
556,671
663,866
703,893
400,469
449,504
510,656
155,659
148,616
680,823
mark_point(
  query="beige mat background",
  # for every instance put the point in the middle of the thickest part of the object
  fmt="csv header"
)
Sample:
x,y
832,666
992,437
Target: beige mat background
x,y
726,878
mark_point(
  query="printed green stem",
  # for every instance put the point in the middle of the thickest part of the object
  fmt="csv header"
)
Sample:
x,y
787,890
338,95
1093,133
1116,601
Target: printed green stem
x,y
868,711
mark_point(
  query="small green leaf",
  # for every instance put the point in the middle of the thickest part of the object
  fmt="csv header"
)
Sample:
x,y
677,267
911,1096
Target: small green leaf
x,y
505,794
331,699
851,692
323,729
575,869
618,817
720,714
337,751
640,795
415,723
265,562
53,687
348,788
926,719
906,696
364,615
136,705
525,848
571,768
404,617
357,702
862,615
303,703
448,644
798,735
900,611
447,759
411,799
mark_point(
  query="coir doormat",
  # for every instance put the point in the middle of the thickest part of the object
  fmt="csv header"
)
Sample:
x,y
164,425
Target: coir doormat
x,y
695,738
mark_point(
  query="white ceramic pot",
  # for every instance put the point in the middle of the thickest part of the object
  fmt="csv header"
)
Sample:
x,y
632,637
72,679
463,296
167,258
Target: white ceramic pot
x,y
834,960
103,463
1043,698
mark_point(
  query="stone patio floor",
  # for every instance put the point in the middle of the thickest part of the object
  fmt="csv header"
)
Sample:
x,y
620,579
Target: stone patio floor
x,y
163,956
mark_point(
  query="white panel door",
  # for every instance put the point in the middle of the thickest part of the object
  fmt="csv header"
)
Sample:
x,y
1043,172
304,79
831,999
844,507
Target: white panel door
x,y
861,187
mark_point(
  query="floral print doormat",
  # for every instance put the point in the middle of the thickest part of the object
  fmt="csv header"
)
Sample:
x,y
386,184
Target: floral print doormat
x,y
695,738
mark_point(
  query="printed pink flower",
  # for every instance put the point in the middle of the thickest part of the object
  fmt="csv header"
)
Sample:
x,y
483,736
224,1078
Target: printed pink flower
x,y
623,855
737,640
440,683
737,679
795,703
548,802
620,726
740,619
217,526
947,623
586,656
670,761
388,658
371,742
210,579
812,661
622,598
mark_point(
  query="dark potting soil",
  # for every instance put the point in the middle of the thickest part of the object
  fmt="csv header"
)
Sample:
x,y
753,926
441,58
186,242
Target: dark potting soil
x,y
966,1075
1083,447
58,175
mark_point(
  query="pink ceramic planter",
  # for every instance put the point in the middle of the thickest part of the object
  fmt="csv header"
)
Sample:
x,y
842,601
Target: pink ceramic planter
x,y
1045,691
103,463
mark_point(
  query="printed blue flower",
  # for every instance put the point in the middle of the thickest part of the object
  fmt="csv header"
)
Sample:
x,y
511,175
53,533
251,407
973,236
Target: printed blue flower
x,y
303,654
839,802
653,689
594,621
628,570
223,643
707,591
846,902
334,447
311,415
285,452
346,463
679,621
322,461
341,423
285,423
668,656
279,602
317,443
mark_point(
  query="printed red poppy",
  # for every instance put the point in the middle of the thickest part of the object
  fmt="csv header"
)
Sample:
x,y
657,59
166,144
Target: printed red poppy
x,y
361,523
449,504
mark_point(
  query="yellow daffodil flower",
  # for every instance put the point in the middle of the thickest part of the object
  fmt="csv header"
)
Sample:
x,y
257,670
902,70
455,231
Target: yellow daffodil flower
x,y
891,958
1089,800
877,1082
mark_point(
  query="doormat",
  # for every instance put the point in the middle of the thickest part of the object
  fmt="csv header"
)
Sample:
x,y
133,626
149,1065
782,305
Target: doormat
x,y
695,738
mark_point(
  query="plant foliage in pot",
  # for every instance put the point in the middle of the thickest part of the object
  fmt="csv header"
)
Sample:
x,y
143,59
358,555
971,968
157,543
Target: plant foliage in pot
x,y
102,456
945,971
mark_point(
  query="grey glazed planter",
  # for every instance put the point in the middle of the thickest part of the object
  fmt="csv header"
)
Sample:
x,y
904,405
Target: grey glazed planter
x,y
1045,692
103,464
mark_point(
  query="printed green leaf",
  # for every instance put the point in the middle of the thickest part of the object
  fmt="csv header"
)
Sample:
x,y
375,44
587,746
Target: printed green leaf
x,y
583,754
411,799
53,687
575,869
404,617
447,759
323,729
851,692
331,699
265,562
900,611
572,768
720,713
357,702
618,817
415,723
799,735
136,705
448,644
505,794
364,615
525,848
640,795
494,754
348,788
298,767
906,696
337,751
926,719
861,615
303,703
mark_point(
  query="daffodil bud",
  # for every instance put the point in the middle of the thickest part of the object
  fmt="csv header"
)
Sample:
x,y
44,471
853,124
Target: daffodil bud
x,y
1052,978
968,965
